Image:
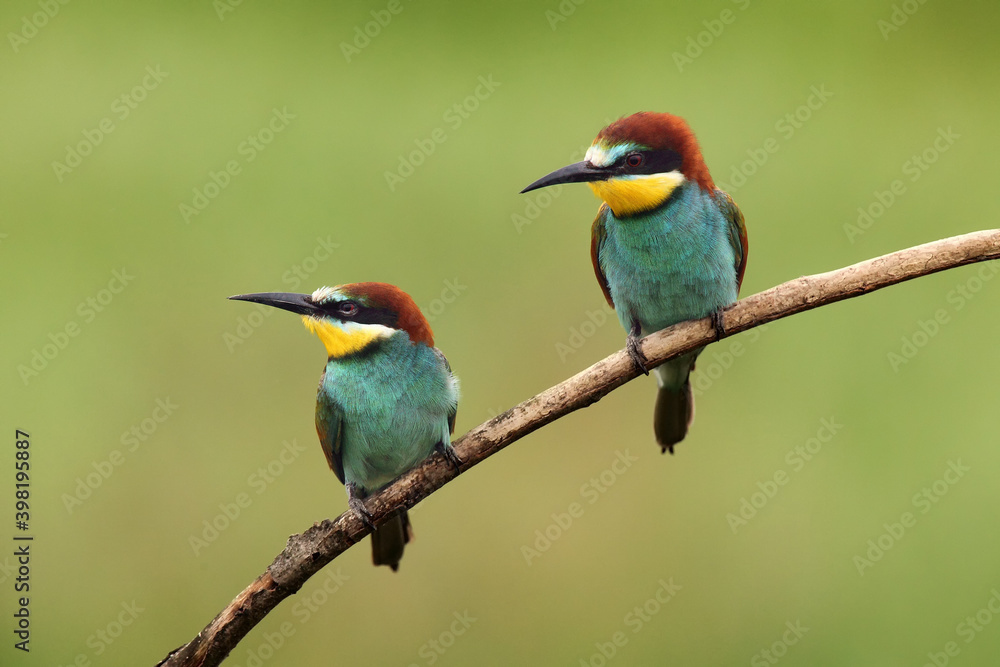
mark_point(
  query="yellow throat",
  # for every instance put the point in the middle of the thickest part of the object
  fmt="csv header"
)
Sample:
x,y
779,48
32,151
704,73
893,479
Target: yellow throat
x,y
344,338
628,196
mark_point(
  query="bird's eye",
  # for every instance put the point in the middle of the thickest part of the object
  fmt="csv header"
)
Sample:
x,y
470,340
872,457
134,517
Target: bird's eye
x,y
348,309
633,159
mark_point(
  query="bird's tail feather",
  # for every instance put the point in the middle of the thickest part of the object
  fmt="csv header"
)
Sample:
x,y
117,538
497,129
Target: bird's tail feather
x,y
674,411
389,540
673,415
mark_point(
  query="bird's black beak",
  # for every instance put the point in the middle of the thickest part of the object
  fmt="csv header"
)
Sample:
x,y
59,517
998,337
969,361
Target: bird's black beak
x,y
579,172
297,303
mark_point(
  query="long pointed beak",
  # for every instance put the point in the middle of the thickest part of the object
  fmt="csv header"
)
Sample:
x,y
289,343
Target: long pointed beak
x,y
297,303
579,172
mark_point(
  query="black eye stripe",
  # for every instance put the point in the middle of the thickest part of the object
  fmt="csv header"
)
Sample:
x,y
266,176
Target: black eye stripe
x,y
364,314
654,162
382,316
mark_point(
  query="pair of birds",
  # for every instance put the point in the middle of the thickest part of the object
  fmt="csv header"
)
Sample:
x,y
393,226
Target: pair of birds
x,y
667,246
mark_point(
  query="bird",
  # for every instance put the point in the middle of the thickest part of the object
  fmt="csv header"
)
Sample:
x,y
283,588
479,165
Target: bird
x,y
387,398
667,245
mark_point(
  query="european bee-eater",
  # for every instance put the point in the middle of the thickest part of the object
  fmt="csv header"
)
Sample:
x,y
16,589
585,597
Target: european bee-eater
x,y
667,246
387,398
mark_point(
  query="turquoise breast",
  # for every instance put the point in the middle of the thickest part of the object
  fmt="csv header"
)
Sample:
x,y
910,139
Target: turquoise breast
x,y
672,264
395,403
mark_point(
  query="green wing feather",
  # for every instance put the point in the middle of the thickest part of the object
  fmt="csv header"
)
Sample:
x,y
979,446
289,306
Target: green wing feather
x,y
330,428
737,233
597,236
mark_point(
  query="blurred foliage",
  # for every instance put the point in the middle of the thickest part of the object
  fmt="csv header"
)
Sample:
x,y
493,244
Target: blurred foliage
x,y
507,280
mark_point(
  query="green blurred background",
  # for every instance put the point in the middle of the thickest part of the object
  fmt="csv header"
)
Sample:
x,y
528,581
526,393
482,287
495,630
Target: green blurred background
x,y
507,281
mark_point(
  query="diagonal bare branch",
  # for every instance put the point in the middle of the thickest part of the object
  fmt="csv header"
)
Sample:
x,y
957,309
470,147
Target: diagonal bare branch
x,y
306,553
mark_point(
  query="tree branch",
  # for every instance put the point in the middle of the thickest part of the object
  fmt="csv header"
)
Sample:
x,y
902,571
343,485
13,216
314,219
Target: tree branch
x,y
305,554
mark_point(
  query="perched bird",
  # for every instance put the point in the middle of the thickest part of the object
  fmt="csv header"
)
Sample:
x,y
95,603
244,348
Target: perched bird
x,y
387,398
667,246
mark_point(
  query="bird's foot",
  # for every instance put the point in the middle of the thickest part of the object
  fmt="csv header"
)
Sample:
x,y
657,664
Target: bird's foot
x,y
356,503
718,324
635,350
448,452
667,448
